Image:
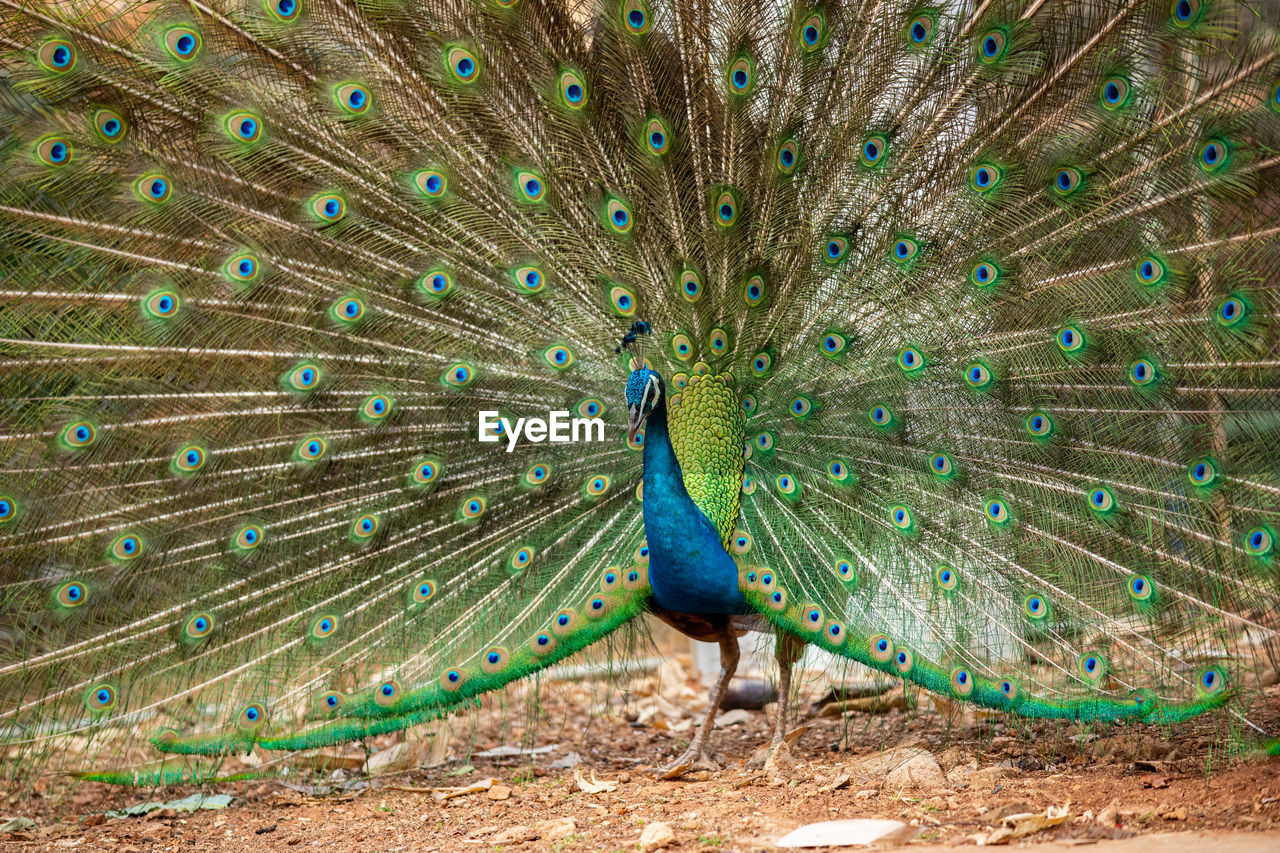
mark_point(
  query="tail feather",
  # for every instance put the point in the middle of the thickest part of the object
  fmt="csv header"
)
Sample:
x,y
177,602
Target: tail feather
x,y
995,283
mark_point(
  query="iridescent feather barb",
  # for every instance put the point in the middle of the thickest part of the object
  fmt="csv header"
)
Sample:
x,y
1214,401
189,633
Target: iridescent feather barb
x,y
985,291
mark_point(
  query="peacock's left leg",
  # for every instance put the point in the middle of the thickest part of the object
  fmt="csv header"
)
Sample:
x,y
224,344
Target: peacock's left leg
x,y
699,756
788,650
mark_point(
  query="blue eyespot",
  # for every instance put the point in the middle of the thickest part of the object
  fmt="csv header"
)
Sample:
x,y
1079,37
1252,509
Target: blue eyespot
x,y
573,92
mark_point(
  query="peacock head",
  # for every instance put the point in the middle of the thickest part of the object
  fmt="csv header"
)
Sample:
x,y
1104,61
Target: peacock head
x,y
644,393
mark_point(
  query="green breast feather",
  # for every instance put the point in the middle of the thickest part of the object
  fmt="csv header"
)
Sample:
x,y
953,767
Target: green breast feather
x,y
705,420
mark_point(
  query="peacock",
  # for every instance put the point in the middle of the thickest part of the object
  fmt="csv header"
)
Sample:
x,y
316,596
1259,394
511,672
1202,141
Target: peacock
x,y
940,335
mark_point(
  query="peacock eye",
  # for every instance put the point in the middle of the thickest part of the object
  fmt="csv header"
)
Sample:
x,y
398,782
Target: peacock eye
x,y
436,283
920,31
573,90
243,268
558,356
529,279
181,42
873,150
1214,154
1184,13
1070,340
992,46
997,511
985,177
1232,311
835,249
1142,373
1068,181
1114,93
978,376
57,56
462,64
635,17
725,208
812,32
352,98
618,216
788,156
285,11
741,75
904,250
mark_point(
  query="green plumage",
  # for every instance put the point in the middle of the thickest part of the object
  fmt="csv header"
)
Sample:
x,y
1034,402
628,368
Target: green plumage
x,y
706,435
986,294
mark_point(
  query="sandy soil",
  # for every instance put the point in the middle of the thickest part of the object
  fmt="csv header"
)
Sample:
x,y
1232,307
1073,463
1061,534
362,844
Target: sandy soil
x,y
952,776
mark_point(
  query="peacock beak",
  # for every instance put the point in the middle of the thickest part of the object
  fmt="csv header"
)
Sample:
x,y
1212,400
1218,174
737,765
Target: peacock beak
x,y
635,417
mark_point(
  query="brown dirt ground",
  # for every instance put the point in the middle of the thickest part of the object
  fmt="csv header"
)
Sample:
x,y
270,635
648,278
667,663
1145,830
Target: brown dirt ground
x,y
1118,782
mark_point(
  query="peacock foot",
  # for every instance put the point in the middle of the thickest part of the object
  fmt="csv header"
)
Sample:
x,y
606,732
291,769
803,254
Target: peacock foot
x,y
696,757
775,760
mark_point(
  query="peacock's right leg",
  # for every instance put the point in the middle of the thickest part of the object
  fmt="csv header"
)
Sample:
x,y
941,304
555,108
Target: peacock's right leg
x,y
699,756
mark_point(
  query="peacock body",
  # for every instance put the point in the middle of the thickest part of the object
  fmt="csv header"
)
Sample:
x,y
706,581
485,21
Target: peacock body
x,y
950,348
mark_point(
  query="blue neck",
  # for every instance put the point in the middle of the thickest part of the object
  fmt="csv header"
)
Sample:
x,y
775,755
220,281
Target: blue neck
x,y
689,570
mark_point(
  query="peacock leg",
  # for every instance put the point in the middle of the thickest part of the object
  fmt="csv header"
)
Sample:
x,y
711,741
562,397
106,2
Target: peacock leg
x,y
788,650
698,756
